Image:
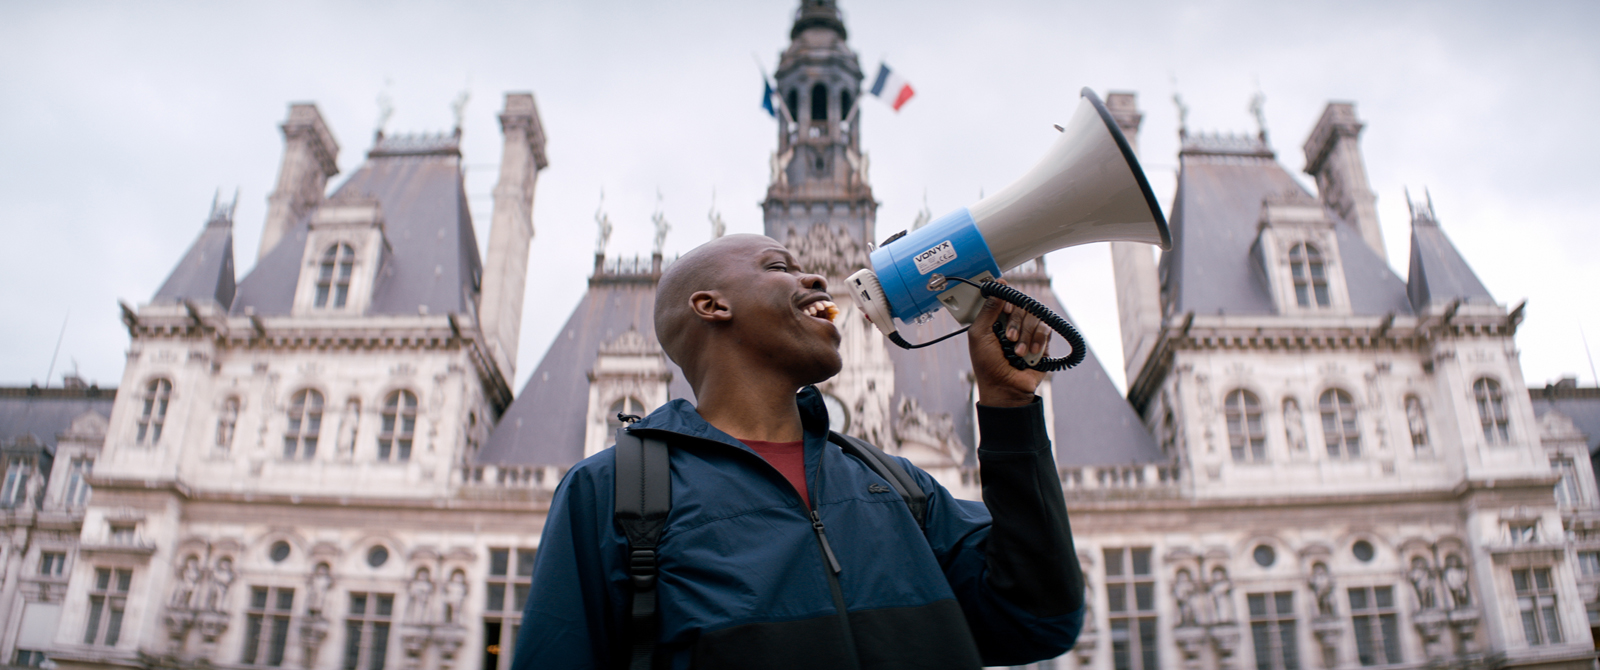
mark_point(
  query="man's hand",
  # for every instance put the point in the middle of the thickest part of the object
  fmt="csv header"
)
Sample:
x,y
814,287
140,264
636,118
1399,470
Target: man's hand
x,y
999,384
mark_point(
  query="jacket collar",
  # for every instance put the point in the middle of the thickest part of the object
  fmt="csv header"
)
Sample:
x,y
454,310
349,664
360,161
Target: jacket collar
x,y
680,417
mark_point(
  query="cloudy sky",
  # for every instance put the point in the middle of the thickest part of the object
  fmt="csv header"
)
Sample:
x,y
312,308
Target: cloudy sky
x,y
120,121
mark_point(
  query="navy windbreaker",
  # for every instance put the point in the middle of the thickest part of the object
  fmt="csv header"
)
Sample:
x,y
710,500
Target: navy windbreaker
x,y
745,581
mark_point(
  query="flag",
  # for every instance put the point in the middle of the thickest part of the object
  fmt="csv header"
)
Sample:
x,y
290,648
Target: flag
x,y
890,88
766,97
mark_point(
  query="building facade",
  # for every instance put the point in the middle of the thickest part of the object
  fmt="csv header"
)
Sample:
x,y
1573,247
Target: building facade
x,y
321,464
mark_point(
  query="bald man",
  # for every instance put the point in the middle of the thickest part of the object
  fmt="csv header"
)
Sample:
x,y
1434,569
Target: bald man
x,y
782,551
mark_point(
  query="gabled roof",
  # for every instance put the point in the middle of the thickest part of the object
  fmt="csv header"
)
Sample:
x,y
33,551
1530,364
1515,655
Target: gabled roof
x,y
432,257
206,271
1212,269
1580,404
1438,272
44,414
547,423
1094,423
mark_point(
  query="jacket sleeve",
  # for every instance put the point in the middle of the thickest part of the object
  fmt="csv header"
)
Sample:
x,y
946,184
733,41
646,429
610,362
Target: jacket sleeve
x,y
1011,560
576,600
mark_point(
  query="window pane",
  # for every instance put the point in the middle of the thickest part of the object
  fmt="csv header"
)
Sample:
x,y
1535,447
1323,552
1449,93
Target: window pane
x,y
498,559
1385,597
385,605
525,563
1358,599
519,599
1141,561
497,597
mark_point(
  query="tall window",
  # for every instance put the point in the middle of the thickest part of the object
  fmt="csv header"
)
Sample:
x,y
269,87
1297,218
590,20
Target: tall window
x,y
1310,279
366,631
819,103
333,279
305,422
1272,630
157,394
266,625
399,424
226,421
78,482
506,593
1245,435
1567,488
27,658
1377,628
1536,597
15,489
1130,598
52,563
1492,411
1339,427
793,100
108,597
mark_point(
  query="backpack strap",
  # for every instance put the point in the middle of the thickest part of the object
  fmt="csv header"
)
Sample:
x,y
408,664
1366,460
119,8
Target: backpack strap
x,y
643,499
889,469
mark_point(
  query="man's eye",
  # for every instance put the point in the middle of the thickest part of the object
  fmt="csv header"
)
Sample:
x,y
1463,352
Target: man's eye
x,y
780,267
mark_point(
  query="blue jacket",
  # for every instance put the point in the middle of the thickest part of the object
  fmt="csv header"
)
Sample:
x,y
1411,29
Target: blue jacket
x,y
745,581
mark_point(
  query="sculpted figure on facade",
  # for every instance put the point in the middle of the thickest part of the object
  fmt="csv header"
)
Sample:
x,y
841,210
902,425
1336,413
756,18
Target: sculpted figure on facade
x,y
222,577
871,416
1455,579
1322,588
455,597
1187,595
317,595
935,430
1221,590
188,582
1417,422
348,422
1421,578
1294,426
421,591
826,251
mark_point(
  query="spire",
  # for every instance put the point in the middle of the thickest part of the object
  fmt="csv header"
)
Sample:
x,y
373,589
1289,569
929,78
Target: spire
x,y
818,14
1438,272
206,271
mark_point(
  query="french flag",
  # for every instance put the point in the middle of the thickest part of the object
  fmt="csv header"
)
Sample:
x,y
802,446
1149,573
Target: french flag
x,y
890,88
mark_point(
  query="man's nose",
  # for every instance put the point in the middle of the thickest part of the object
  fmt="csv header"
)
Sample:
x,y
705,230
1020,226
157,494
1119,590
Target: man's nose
x,y
814,282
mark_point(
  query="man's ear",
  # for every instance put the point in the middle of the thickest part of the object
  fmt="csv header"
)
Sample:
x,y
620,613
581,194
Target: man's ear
x,y
710,306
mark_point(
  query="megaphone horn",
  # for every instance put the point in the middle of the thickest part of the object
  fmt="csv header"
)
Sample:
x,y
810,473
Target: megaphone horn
x,y
1087,188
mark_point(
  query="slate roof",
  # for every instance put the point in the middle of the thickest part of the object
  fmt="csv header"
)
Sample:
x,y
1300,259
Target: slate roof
x,y
46,413
1582,405
1212,268
1438,272
546,424
432,259
1094,423
206,271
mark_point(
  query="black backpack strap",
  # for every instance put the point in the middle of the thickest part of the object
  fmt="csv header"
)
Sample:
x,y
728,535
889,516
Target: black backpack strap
x,y
643,499
889,469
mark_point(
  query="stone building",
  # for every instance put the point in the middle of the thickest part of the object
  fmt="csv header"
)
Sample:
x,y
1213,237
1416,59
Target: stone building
x,y
322,464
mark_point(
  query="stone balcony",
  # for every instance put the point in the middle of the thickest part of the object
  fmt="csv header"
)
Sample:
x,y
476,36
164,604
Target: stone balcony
x,y
1133,481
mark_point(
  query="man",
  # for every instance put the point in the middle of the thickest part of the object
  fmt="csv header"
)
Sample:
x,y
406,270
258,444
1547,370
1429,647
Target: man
x,y
781,551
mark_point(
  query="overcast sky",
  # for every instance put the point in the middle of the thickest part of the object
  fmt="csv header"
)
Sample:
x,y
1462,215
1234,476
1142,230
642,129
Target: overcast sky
x,y
120,121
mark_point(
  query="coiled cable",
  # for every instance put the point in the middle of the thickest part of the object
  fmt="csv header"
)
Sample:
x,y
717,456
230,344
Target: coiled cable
x,y
994,289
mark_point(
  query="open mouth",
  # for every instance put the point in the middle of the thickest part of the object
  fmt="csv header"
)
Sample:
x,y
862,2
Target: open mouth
x,y
821,309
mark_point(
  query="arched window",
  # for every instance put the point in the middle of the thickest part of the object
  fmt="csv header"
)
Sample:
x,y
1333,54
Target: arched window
x,y
1339,427
844,104
1492,411
226,422
819,103
333,279
628,405
157,395
1245,435
1310,278
793,100
305,422
399,425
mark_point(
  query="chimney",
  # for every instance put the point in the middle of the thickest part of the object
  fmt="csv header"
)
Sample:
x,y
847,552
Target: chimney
x,y
310,157
1133,264
505,273
1333,157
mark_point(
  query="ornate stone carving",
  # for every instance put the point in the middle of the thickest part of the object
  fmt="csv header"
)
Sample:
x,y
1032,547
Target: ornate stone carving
x,y
420,591
455,597
1187,595
826,251
1322,588
1294,426
317,594
1421,578
1455,579
935,430
1220,589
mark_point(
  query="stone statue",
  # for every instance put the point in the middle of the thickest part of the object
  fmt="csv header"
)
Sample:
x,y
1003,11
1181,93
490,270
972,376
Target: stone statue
x,y
1417,422
321,581
1221,590
1187,595
348,423
1088,605
188,581
217,590
662,227
718,228
1455,579
455,597
420,590
1421,579
603,222
1322,588
1294,426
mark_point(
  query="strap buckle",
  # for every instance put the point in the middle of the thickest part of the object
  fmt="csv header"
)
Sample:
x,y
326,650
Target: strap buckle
x,y
642,568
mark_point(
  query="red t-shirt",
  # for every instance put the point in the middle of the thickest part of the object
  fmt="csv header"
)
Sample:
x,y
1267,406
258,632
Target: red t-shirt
x,y
789,458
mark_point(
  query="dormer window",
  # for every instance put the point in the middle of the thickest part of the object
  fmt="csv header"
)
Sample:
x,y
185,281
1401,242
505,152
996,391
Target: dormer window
x,y
333,278
1310,276
305,424
1492,411
157,394
399,426
1339,427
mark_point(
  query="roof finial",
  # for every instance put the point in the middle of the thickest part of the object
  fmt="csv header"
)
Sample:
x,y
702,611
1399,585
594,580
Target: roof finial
x,y
662,227
718,228
385,107
459,106
925,214
1258,107
1421,212
1183,116
222,213
603,222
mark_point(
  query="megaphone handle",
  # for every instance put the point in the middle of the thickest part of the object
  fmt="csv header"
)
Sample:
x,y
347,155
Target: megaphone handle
x,y
992,289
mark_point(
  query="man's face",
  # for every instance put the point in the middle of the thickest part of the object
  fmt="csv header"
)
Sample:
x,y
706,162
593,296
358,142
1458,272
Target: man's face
x,y
782,313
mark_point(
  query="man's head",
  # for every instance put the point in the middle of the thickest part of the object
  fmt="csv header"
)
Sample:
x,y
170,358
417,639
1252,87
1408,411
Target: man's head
x,y
741,300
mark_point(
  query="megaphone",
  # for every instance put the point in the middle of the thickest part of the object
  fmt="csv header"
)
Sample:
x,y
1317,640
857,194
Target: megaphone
x,y
1087,188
